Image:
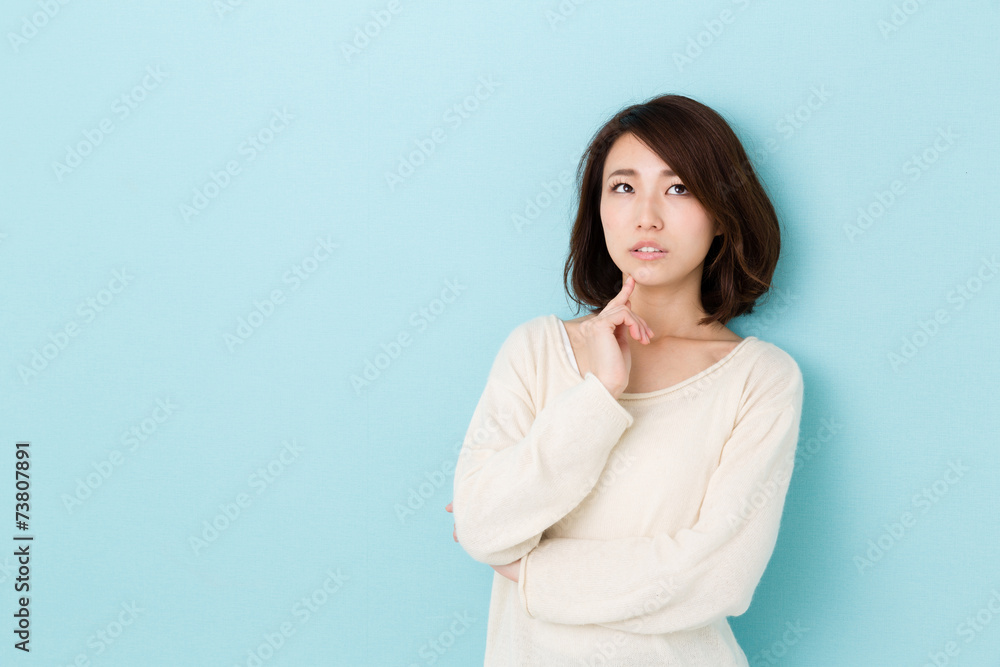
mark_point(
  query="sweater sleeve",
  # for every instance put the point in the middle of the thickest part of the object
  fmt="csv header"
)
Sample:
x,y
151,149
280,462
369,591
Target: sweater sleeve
x,y
668,583
519,472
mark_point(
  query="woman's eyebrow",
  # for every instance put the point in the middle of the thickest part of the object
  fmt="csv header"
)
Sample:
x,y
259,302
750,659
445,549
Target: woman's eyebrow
x,y
632,172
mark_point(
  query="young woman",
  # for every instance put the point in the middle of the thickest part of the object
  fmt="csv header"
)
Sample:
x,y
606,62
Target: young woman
x,y
625,472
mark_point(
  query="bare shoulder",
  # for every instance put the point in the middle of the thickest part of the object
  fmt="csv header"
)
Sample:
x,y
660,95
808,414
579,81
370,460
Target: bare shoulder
x,y
574,323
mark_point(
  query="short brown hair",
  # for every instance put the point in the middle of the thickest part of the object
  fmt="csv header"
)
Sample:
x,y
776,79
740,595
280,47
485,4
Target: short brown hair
x,y
705,153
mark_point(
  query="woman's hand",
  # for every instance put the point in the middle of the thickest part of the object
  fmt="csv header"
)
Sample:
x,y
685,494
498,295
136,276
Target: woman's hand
x,y
454,528
509,570
606,342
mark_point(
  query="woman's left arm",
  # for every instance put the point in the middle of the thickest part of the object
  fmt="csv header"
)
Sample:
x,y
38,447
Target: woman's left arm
x,y
665,583
509,570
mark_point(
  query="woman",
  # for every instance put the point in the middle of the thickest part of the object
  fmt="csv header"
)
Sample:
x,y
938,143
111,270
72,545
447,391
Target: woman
x,y
625,472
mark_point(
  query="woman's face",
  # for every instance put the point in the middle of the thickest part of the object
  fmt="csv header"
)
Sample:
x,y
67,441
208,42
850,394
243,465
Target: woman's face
x,y
645,203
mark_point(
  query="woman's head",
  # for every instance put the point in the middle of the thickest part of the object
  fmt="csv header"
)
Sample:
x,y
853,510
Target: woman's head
x,y
711,215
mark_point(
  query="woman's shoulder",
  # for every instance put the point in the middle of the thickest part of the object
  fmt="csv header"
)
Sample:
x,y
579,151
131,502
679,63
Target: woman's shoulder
x,y
527,339
532,328
771,357
773,370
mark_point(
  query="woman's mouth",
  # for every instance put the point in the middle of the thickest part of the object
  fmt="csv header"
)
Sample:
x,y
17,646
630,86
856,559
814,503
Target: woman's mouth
x,y
648,254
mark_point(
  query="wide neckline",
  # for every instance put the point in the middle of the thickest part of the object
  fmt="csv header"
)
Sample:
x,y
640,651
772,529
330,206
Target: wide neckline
x,y
555,322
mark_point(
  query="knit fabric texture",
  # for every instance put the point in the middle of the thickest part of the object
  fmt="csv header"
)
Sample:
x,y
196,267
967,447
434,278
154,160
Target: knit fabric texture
x,y
641,523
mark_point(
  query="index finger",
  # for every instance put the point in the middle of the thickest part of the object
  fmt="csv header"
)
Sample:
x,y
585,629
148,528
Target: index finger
x,y
625,292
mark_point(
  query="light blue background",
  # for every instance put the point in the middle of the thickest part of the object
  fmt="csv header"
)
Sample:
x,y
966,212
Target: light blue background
x,y
843,304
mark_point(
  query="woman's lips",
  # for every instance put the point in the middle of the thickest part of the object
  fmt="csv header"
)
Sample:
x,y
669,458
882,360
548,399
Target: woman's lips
x,y
648,255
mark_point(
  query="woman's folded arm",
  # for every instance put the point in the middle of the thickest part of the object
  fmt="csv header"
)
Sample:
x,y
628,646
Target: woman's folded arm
x,y
519,471
666,583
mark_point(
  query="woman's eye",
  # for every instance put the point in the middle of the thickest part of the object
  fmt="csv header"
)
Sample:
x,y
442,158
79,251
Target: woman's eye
x,y
614,188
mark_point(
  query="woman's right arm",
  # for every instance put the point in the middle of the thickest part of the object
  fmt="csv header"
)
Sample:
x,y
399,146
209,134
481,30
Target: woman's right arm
x,y
519,472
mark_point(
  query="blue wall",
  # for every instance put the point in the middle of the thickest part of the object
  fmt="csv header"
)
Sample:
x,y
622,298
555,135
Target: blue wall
x,y
217,217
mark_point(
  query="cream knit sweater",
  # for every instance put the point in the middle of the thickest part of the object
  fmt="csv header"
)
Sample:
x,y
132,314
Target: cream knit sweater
x,y
641,522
